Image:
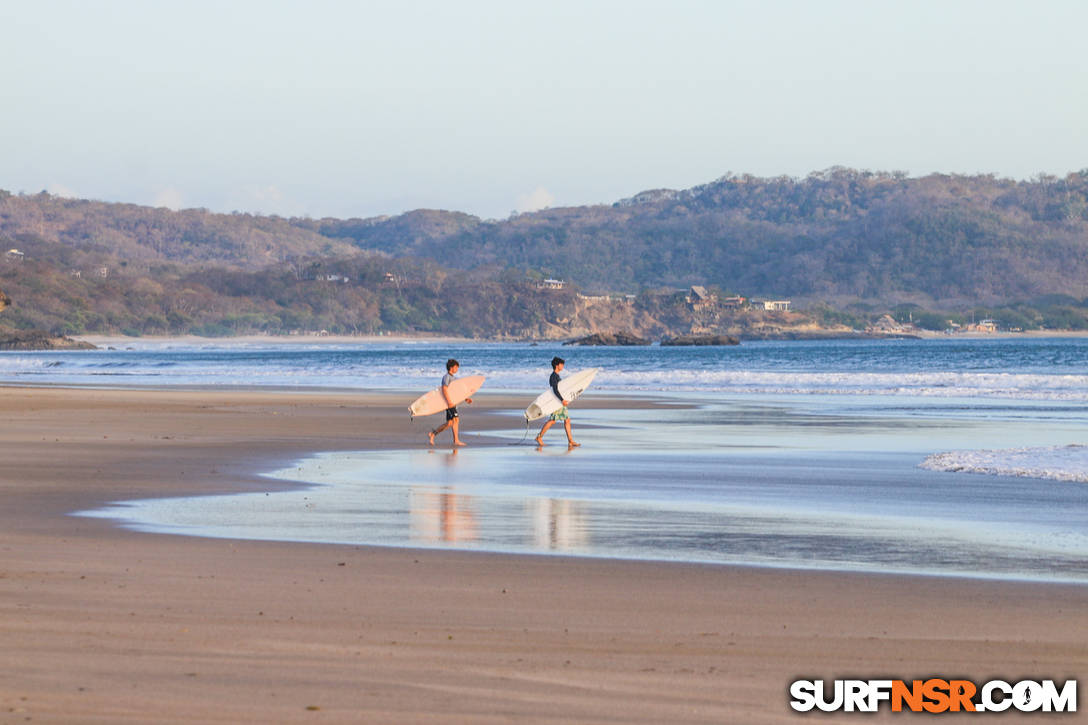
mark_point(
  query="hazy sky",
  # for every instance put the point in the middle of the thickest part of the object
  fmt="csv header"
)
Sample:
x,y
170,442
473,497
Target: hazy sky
x,y
364,108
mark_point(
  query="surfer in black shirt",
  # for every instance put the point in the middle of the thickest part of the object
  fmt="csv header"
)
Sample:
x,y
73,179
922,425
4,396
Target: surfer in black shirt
x,y
561,414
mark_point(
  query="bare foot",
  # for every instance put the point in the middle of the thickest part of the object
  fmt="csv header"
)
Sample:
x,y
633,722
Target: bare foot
x,y
430,437
539,442
572,444
458,443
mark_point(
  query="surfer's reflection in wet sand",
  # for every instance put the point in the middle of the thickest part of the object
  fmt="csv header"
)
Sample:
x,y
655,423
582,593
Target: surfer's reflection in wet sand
x,y
442,516
558,525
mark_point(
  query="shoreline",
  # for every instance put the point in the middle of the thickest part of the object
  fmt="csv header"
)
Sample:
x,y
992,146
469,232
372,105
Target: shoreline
x,y
109,624
281,477
805,335
313,339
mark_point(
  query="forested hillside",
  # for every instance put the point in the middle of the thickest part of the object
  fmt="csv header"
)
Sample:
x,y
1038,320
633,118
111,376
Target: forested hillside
x,y
840,235
360,294
145,234
846,245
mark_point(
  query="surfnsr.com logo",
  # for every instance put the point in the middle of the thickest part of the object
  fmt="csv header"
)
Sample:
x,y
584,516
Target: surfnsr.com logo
x,y
933,695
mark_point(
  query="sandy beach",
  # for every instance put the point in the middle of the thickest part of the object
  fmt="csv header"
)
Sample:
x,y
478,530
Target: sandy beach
x,y
101,624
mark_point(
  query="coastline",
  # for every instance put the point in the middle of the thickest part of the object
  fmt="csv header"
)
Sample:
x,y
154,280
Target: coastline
x,y
105,341
106,624
314,339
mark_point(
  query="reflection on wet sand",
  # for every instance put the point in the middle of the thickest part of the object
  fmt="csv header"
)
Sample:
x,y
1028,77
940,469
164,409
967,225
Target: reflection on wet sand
x,y
558,524
442,516
446,517
779,481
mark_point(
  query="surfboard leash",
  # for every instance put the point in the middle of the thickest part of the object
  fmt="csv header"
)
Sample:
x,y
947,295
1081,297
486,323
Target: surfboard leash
x,y
524,436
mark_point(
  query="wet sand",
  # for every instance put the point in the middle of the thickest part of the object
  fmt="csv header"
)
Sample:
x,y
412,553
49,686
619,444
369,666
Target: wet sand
x,y
99,624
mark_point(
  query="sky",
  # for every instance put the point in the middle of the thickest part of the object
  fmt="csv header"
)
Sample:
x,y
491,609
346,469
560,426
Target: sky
x,y
356,109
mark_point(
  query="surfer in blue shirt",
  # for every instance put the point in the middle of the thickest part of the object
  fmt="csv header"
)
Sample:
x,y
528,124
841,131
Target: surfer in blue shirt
x,y
453,420
561,414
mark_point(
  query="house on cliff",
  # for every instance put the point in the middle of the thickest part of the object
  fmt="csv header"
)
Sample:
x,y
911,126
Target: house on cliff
x,y
700,298
776,305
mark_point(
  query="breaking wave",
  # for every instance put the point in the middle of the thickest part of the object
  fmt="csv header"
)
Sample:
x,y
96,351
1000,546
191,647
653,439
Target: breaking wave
x,y
1058,463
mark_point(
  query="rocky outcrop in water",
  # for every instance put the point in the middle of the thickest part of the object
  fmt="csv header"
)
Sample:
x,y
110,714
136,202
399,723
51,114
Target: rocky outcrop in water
x,y
40,340
610,338
700,340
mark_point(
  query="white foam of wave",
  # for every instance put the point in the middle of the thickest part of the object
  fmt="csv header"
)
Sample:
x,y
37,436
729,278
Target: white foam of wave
x,y
1059,463
1023,386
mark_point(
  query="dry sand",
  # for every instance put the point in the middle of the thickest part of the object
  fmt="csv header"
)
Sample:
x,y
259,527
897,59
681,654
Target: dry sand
x,y
99,624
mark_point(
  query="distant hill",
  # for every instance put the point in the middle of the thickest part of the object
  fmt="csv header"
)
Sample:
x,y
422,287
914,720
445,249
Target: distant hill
x,y
840,236
146,234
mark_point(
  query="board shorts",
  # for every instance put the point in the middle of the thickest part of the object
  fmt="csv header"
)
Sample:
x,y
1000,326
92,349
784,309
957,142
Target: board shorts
x,y
561,414
451,413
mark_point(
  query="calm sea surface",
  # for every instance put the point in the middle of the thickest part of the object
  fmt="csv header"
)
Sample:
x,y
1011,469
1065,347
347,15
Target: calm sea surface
x,y
954,457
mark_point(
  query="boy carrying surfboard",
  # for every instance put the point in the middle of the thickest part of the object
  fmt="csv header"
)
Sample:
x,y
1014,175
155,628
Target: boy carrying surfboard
x,y
561,414
453,420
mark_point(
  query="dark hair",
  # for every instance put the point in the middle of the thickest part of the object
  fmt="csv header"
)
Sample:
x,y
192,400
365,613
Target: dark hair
x,y
450,363
557,361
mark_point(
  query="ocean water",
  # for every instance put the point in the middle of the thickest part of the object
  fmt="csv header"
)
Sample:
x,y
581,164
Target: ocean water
x,y
946,457
1027,369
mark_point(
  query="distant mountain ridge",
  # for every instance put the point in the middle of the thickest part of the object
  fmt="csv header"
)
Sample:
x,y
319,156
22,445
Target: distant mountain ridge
x,y
840,235
148,234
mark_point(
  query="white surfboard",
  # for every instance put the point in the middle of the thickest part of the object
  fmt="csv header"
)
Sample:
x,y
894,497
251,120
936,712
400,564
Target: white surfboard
x,y
571,387
433,402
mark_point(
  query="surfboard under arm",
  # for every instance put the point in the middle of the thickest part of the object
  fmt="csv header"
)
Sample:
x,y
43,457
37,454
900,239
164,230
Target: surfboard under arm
x,y
570,387
433,401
